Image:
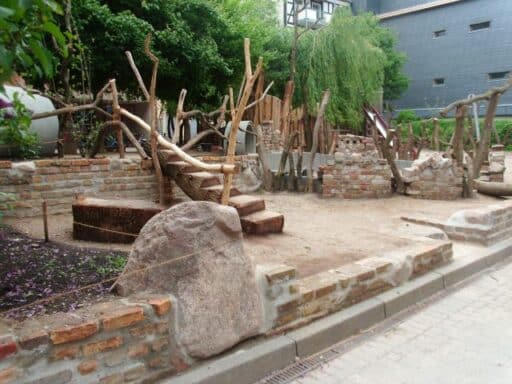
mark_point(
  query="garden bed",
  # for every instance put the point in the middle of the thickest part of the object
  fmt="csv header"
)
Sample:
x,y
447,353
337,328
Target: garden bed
x,y
33,270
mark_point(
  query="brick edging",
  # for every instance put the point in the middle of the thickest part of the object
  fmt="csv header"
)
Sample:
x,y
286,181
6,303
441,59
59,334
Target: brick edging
x,y
253,361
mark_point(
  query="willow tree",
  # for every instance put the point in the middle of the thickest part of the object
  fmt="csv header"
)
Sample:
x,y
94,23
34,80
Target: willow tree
x,y
345,58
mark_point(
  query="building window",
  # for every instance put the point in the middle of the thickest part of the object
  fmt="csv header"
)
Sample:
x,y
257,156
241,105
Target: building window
x,y
439,33
498,75
438,82
480,26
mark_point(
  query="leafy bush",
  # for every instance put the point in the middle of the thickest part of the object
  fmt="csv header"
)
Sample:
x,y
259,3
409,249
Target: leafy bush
x,y
15,130
407,116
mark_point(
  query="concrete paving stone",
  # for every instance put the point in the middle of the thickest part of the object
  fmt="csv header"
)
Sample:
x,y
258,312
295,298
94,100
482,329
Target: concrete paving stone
x,y
469,344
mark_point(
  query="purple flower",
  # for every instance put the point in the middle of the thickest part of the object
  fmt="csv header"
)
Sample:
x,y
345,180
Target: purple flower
x,y
4,104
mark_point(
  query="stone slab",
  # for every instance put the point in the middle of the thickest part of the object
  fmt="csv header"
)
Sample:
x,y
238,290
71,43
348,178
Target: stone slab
x,y
244,366
319,335
412,292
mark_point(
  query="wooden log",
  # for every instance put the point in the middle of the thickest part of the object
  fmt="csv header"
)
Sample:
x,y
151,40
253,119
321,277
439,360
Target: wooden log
x,y
314,147
482,152
458,137
493,188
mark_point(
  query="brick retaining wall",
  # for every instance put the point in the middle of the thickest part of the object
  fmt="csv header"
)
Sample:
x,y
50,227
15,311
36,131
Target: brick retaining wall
x,y
291,302
57,181
357,171
123,341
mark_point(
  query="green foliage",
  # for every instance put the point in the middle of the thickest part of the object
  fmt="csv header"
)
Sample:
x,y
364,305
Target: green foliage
x,y
407,116
256,20
86,131
395,82
199,43
344,57
6,200
24,25
15,131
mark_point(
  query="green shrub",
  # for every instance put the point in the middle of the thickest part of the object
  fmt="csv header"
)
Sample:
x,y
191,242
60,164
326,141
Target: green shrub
x,y
15,131
407,116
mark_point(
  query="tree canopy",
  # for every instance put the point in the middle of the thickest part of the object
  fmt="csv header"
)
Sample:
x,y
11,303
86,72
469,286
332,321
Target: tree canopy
x,y
24,27
199,42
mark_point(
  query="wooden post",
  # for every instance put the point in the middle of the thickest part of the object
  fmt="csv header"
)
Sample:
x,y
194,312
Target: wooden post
x,y
437,128
319,118
482,151
45,221
116,117
458,136
238,113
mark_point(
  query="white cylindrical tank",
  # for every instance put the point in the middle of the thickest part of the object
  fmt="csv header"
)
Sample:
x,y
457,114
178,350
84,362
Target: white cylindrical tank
x,y
47,129
245,142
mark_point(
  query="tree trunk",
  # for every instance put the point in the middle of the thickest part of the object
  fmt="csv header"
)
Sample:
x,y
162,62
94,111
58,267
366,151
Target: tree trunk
x,y
483,145
278,182
316,129
437,128
386,152
286,106
458,136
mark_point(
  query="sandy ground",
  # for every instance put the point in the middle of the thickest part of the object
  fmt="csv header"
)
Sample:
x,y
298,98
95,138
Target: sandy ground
x,y
319,233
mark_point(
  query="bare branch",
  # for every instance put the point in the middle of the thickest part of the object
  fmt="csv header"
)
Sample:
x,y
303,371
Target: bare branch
x,y
137,74
255,102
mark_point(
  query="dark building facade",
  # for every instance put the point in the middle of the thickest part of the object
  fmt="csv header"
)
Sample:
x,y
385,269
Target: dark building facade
x,y
454,47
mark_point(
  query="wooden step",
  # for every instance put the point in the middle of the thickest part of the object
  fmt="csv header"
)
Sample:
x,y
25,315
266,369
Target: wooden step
x,y
262,222
184,167
217,191
203,179
245,204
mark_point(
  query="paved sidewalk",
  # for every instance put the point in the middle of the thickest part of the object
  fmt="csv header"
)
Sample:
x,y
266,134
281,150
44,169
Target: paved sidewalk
x,y
464,338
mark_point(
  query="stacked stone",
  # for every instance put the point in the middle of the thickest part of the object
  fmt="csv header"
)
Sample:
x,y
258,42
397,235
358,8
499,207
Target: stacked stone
x,y
58,181
272,138
495,168
357,171
434,178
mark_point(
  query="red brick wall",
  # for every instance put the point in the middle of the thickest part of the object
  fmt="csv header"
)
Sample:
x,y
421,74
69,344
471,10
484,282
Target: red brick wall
x,y
58,181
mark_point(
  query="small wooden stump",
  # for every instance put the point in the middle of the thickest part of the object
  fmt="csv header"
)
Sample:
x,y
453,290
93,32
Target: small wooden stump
x,y
111,221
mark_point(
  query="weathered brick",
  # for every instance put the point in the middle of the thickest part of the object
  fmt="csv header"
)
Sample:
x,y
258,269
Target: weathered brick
x,y
161,306
138,350
149,329
135,372
87,367
33,340
61,377
116,378
179,363
287,307
7,347
123,318
280,273
73,332
60,353
156,362
9,375
160,344
102,346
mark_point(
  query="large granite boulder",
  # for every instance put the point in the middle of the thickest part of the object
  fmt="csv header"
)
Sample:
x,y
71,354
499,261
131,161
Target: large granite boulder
x,y
194,250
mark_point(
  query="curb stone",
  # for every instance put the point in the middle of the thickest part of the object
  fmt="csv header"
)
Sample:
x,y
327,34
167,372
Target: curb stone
x,y
246,366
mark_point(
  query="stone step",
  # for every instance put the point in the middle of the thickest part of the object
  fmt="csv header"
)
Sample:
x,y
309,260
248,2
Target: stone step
x,y
217,189
203,179
184,167
245,204
262,222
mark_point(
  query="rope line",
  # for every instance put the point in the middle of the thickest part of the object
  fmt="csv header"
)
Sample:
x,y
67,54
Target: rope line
x,y
59,295
105,229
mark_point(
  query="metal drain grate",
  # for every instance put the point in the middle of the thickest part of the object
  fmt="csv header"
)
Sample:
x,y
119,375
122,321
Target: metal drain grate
x,y
300,368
